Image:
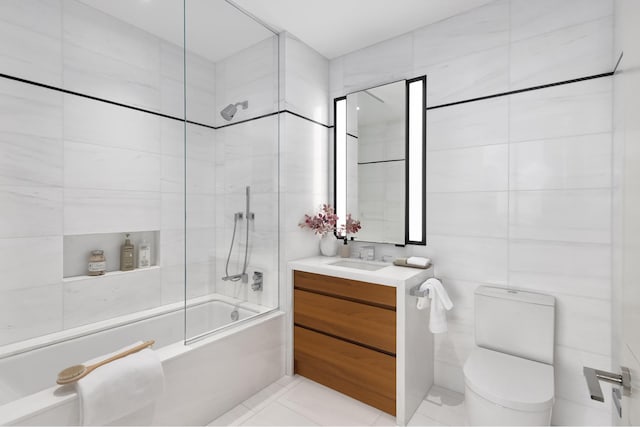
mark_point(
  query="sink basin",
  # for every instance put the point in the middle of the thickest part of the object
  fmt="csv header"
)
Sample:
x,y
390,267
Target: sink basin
x,y
359,265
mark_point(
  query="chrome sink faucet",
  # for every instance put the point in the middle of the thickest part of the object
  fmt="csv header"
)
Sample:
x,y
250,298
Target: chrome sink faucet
x,y
368,253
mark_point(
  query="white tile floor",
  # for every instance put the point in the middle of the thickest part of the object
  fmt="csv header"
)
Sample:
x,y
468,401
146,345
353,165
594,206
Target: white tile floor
x,y
297,401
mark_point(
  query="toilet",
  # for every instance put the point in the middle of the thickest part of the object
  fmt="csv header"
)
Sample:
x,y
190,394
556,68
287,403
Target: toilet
x,y
509,374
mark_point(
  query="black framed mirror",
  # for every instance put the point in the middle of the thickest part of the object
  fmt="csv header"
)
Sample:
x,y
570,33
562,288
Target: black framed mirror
x,y
380,163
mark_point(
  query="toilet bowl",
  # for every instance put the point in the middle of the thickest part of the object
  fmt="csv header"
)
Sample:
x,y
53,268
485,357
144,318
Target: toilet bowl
x,y
501,389
509,376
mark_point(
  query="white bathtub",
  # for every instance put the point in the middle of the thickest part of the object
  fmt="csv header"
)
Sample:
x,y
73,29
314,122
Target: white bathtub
x,y
202,380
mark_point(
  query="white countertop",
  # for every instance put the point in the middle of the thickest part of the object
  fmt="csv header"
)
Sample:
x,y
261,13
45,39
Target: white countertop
x,y
389,275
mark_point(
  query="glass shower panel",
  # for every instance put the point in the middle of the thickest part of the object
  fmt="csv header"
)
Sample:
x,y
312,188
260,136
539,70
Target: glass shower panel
x,y
231,167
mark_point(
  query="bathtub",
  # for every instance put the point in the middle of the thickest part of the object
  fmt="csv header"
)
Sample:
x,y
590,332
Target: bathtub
x,y
203,379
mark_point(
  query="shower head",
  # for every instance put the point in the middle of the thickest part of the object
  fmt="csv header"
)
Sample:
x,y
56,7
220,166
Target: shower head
x,y
230,110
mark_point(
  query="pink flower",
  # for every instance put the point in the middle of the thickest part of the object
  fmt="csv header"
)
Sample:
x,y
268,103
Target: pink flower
x,y
351,226
321,223
325,222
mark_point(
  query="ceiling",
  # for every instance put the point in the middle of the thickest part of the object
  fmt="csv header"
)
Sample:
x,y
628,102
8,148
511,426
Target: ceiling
x,y
336,27
215,29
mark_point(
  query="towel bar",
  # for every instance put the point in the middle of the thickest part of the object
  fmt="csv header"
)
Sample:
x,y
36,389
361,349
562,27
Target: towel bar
x,y
416,292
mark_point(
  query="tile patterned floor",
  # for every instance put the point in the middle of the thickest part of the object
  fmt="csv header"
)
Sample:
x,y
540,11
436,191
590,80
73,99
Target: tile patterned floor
x,y
297,401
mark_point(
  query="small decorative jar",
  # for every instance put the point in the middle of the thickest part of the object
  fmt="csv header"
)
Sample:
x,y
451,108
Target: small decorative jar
x,y
97,263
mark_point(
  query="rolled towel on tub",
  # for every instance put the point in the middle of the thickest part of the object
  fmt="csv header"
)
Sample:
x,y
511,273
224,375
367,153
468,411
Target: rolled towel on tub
x,y
123,392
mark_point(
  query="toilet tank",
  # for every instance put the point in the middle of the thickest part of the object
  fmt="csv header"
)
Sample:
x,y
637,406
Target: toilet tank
x,y
515,322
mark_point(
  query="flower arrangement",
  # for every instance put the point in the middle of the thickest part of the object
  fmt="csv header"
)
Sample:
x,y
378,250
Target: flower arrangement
x,y
321,223
351,226
325,222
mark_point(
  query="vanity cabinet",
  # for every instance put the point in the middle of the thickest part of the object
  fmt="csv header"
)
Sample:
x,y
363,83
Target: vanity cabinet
x,y
345,336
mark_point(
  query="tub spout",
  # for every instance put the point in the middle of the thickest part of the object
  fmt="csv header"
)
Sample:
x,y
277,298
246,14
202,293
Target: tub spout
x,y
236,277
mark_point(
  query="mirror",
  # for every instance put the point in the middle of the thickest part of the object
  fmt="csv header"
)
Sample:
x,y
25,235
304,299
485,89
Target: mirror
x,y
380,163
376,162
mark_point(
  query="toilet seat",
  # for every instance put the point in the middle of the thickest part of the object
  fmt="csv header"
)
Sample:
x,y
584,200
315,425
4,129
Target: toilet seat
x,y
510,381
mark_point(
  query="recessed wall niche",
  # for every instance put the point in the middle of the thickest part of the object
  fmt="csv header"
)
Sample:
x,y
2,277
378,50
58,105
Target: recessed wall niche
x,y
77,249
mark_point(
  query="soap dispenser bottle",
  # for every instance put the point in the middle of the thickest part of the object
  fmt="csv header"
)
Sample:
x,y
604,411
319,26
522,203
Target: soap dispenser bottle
x,y
126,255
345,249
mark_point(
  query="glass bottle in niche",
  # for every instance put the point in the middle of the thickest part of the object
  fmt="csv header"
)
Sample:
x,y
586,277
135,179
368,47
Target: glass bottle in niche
x,y
97,263
144,255
126,255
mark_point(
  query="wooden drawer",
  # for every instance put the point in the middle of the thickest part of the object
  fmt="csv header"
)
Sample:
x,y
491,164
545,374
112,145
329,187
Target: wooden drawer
x,y
364,374
367,293
361,323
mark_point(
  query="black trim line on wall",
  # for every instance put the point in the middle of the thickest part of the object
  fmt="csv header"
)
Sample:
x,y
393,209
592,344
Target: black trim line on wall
x,y
106,101
618,63
248,120
512,92
351,135
380,161
306,118
155,113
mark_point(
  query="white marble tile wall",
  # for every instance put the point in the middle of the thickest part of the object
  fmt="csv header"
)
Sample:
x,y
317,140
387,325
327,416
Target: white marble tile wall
x,y
102,56
31,224
249,75
519,187
504,45
306,82
31,312
101,298
362,69
38,56
108,58
246,154
200,84
241,155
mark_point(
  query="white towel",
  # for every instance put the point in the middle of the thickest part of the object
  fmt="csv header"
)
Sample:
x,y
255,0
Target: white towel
x,y
440,304
418,261
122,392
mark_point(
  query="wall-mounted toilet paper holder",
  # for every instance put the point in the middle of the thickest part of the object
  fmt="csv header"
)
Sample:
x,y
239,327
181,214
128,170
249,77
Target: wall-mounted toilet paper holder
x,y
594,376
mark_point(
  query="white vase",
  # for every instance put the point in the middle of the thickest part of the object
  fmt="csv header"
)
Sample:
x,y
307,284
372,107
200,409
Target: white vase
x,y
329,245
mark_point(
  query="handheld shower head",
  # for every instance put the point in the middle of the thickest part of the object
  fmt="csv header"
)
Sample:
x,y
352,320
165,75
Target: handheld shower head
x,y
230,110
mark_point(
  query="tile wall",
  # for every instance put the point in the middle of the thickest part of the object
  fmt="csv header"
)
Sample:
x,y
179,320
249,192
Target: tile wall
x,y
519,187
75,166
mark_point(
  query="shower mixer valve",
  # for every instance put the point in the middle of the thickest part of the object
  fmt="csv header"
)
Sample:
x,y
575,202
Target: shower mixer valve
x,y
257,281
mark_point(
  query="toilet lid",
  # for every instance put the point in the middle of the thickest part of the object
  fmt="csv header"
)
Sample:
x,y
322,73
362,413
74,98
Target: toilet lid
x,y
510,381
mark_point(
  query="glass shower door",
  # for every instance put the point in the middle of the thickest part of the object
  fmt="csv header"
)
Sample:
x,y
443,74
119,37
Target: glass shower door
x,y
230,167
